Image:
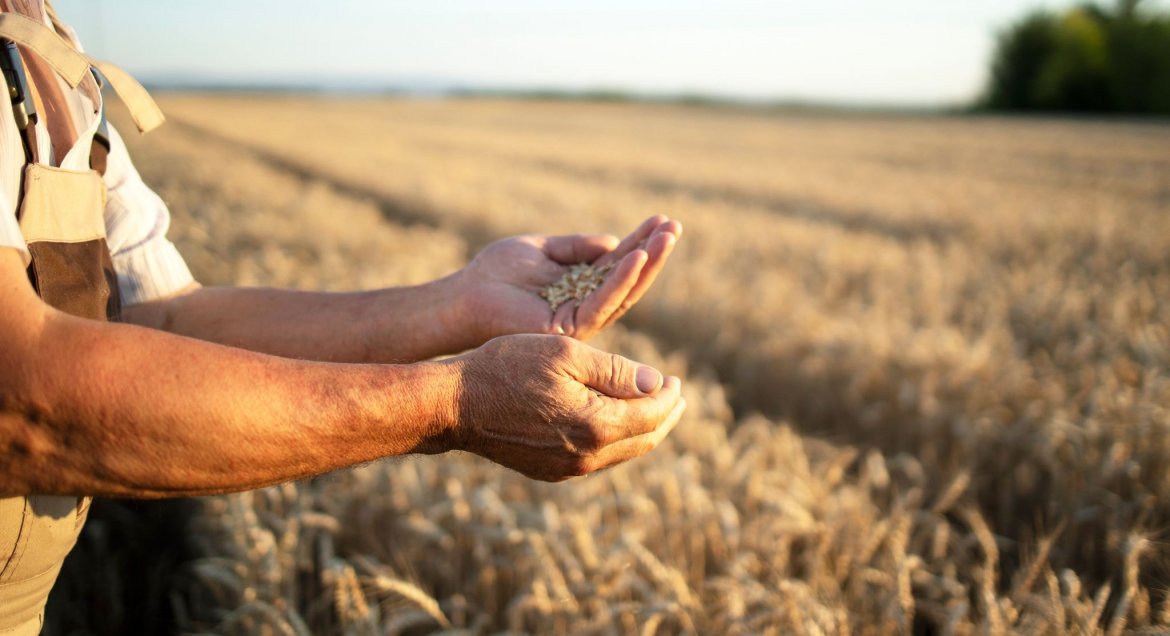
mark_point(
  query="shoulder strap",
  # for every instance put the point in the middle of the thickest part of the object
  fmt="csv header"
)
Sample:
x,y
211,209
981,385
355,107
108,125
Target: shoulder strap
x,y
73,65
143,109
58,51
67,61
20,94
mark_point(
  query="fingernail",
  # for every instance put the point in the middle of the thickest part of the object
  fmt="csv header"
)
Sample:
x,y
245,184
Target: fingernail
x,y
647,379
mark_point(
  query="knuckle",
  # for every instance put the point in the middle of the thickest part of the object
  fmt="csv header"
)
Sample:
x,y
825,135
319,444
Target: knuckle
x,y
559,346
569,329
617,369
578,467
594,437
583,435
494,345
645,448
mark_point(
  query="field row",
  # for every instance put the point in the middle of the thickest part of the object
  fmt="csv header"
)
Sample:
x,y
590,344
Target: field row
x,y
981,303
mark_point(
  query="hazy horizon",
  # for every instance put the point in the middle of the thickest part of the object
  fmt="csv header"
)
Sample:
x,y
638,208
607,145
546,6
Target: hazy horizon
x,y
903,52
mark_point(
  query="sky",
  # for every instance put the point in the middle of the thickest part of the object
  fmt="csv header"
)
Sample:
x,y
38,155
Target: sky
x,y
893,52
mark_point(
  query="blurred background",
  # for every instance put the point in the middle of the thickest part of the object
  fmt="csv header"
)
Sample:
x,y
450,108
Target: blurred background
x,y
1016,54
924,344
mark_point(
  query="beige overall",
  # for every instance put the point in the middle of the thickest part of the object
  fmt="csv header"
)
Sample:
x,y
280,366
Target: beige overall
x,y
61,218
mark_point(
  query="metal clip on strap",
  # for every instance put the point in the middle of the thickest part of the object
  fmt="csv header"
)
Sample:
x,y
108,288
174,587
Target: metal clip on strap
x,y
23,107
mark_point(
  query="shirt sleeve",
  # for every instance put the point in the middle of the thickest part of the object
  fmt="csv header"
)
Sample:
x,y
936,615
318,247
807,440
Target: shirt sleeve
x,y
10,235
137,220
11,164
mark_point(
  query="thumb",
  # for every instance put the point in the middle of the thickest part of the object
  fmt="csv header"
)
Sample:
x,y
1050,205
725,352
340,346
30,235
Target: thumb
x,y
616,376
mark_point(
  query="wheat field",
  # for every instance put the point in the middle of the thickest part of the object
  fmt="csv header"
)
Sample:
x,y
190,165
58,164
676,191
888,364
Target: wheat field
x,y
927,362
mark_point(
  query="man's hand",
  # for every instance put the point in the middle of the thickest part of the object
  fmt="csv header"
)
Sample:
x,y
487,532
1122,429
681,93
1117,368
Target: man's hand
x,y
553,408
502,283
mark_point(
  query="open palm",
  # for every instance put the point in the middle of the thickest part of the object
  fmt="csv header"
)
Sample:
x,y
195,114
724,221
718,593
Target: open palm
x,y
504,280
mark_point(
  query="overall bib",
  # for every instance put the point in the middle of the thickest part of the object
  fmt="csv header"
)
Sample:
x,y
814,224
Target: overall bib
x,y
61,215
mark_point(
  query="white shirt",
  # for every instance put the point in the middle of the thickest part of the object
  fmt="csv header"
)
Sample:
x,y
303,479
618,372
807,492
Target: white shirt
x,y
136,219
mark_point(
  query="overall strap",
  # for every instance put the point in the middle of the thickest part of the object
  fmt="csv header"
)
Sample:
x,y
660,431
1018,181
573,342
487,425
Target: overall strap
x,y
63,58
24,108
143,110
53,54
52,46
73,65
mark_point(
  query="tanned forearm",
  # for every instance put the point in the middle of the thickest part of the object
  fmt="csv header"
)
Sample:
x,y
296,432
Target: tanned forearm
x,y
402,324
88,408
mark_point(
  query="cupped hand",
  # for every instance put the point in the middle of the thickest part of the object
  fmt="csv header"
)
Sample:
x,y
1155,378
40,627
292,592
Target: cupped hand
x,y
502,283
553,408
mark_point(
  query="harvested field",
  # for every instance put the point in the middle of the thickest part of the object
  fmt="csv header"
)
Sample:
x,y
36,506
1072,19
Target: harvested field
x,y
926,361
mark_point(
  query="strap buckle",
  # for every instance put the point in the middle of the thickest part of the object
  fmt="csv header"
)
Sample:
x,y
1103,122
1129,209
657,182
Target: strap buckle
x,y
102,134
23,108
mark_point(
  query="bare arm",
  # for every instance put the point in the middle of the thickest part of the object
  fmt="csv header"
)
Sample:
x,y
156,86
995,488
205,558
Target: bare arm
x,y
107,409
495,295
401,324
89,408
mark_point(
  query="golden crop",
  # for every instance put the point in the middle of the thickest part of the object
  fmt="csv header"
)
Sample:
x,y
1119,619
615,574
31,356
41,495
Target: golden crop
x,y
581,280
926,358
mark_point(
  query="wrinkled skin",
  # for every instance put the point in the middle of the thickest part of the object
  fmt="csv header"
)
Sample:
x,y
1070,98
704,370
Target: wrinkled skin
x,y
526,403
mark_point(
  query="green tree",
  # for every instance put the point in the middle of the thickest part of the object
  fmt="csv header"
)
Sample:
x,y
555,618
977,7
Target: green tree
x,y
1140,74
1019,61
1087,59
1075,74
1127,9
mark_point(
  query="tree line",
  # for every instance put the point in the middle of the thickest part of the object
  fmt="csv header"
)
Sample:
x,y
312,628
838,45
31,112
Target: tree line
x,y
1089,59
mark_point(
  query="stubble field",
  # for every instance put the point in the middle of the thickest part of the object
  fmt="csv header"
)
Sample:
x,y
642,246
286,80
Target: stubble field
x,y
926,361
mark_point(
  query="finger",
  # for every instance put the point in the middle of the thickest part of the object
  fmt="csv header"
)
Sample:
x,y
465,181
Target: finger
x,y
670,226
626,419
658,250
578,248
598,306
630,243
613,375
563,319
638,445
